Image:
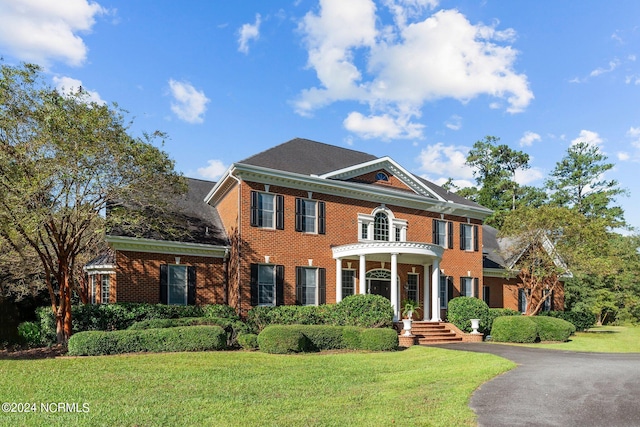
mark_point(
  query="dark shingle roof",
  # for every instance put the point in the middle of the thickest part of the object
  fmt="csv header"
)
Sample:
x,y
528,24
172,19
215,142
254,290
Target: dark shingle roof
x,y
191,219
105,258
307,157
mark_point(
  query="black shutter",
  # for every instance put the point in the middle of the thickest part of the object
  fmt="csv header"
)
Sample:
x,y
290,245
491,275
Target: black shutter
x,y
322,227
450,234
551,301
279,212
164,283
449,288
476,287
322,283
476,244
191,285
299,214
300,286
435,232
254,209
486,294
522,303
279,284
254,285
462,236
463,287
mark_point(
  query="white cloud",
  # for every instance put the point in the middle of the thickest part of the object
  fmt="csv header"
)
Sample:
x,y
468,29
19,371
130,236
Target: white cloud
x,y
247,33
384,126
213,170
526,177
590,137
189,103
529,138
460,183
612,66
447,161
396,69
454,122
623,156
68,86
42,31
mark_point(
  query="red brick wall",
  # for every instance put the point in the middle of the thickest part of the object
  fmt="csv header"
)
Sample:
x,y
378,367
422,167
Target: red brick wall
x,y
138,277
504,293
393,181
291,248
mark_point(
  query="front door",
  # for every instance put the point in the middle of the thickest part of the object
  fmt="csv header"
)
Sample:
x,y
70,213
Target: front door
x,y
380,287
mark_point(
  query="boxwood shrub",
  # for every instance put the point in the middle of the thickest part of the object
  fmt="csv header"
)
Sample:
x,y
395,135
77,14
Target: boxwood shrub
x,y
520,329
248,341
581,319
365,311
379,339
282,339
497,312
189,338
553,329
171,323
462,309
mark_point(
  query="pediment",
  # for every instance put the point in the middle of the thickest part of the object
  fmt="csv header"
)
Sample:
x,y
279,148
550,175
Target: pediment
x,y
371,173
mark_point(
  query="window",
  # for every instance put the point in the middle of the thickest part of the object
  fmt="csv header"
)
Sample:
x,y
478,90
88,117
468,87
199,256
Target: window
x,y
412,287
348,282
381,176
267,284
267,210
177,284
443,291
443,233
486,295
364,232
398,235
310,286
310,216
105,289
548,300
466,286
92,283
468,237
381,227
522,301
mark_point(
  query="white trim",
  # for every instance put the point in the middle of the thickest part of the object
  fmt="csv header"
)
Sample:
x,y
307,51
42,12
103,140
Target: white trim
x,y
379,247
134,244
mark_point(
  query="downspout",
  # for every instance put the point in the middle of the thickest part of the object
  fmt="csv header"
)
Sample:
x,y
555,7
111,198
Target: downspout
x,y
225,266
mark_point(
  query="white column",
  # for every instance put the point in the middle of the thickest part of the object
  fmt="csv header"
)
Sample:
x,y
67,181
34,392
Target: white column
x,y
338,280
363,272
394,286
425,292
435,280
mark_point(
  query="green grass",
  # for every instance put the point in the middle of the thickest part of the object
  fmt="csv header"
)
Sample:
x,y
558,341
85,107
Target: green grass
x,y
608,339
418,386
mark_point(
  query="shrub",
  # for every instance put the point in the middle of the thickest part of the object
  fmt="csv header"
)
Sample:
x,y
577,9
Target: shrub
x,y
30,334
366,311
323,337
221,311
191,338
520,329
379,339
171,323
581,319
277,339
351,337
248,341
553,329
462,309
497,312
259,318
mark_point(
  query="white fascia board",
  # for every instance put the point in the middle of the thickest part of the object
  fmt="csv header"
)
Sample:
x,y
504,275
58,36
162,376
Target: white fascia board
x,y
384,163
135,244
216,190
500,272
355,191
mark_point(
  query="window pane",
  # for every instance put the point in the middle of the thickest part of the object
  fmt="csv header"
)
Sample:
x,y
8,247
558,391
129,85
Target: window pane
x,y
381,227
310,286
468,237
443,291
105,289
266,285
412,287
442,233
467,287
309,215
348,282
177,285
266,210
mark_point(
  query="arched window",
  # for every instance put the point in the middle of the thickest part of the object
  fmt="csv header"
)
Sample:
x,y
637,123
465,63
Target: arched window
x,y
381,227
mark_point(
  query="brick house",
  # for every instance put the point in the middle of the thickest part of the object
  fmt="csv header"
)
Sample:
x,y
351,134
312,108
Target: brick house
x,y
307,223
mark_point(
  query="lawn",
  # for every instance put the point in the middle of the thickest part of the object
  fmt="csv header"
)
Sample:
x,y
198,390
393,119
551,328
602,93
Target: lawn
x,y
607,339
418,386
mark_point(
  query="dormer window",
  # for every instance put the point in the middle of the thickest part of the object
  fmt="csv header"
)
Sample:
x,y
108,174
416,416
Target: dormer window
x,y
381,225
381,176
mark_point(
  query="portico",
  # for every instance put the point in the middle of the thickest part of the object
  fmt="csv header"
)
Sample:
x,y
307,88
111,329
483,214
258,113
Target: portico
x,y
394,253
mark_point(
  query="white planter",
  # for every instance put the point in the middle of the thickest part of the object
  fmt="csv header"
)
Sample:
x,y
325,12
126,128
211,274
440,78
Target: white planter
x,y
475,324
406,325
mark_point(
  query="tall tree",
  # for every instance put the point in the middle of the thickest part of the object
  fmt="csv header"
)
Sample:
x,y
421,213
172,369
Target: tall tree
x,y
63,162
578,182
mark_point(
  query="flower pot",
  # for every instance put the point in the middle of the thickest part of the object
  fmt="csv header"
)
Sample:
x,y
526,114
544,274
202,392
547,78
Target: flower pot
x,y
406,325
475,324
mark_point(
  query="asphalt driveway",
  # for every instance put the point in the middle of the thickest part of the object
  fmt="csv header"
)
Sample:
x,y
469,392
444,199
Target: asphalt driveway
x,y
558,388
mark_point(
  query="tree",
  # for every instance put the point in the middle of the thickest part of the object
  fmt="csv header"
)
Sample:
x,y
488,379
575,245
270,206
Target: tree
x,y
63,162
549,245
578,182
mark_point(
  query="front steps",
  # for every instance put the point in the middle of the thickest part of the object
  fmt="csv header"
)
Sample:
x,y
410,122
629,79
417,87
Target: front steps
x,y
434,333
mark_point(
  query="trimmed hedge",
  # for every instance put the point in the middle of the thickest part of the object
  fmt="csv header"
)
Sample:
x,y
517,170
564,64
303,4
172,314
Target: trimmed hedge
x,y
514,329
171,323
553,329
581,319
190,338
282,339
497,312
462,309
248,341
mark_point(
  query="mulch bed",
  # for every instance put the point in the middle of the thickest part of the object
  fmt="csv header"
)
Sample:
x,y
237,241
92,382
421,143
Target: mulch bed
x,y
17,353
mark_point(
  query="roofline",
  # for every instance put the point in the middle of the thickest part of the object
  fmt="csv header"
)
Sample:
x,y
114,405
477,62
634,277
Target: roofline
x,y
135,244
339,188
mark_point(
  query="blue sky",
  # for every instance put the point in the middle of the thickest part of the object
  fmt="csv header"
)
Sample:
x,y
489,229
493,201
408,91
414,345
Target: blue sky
x,y
417,80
